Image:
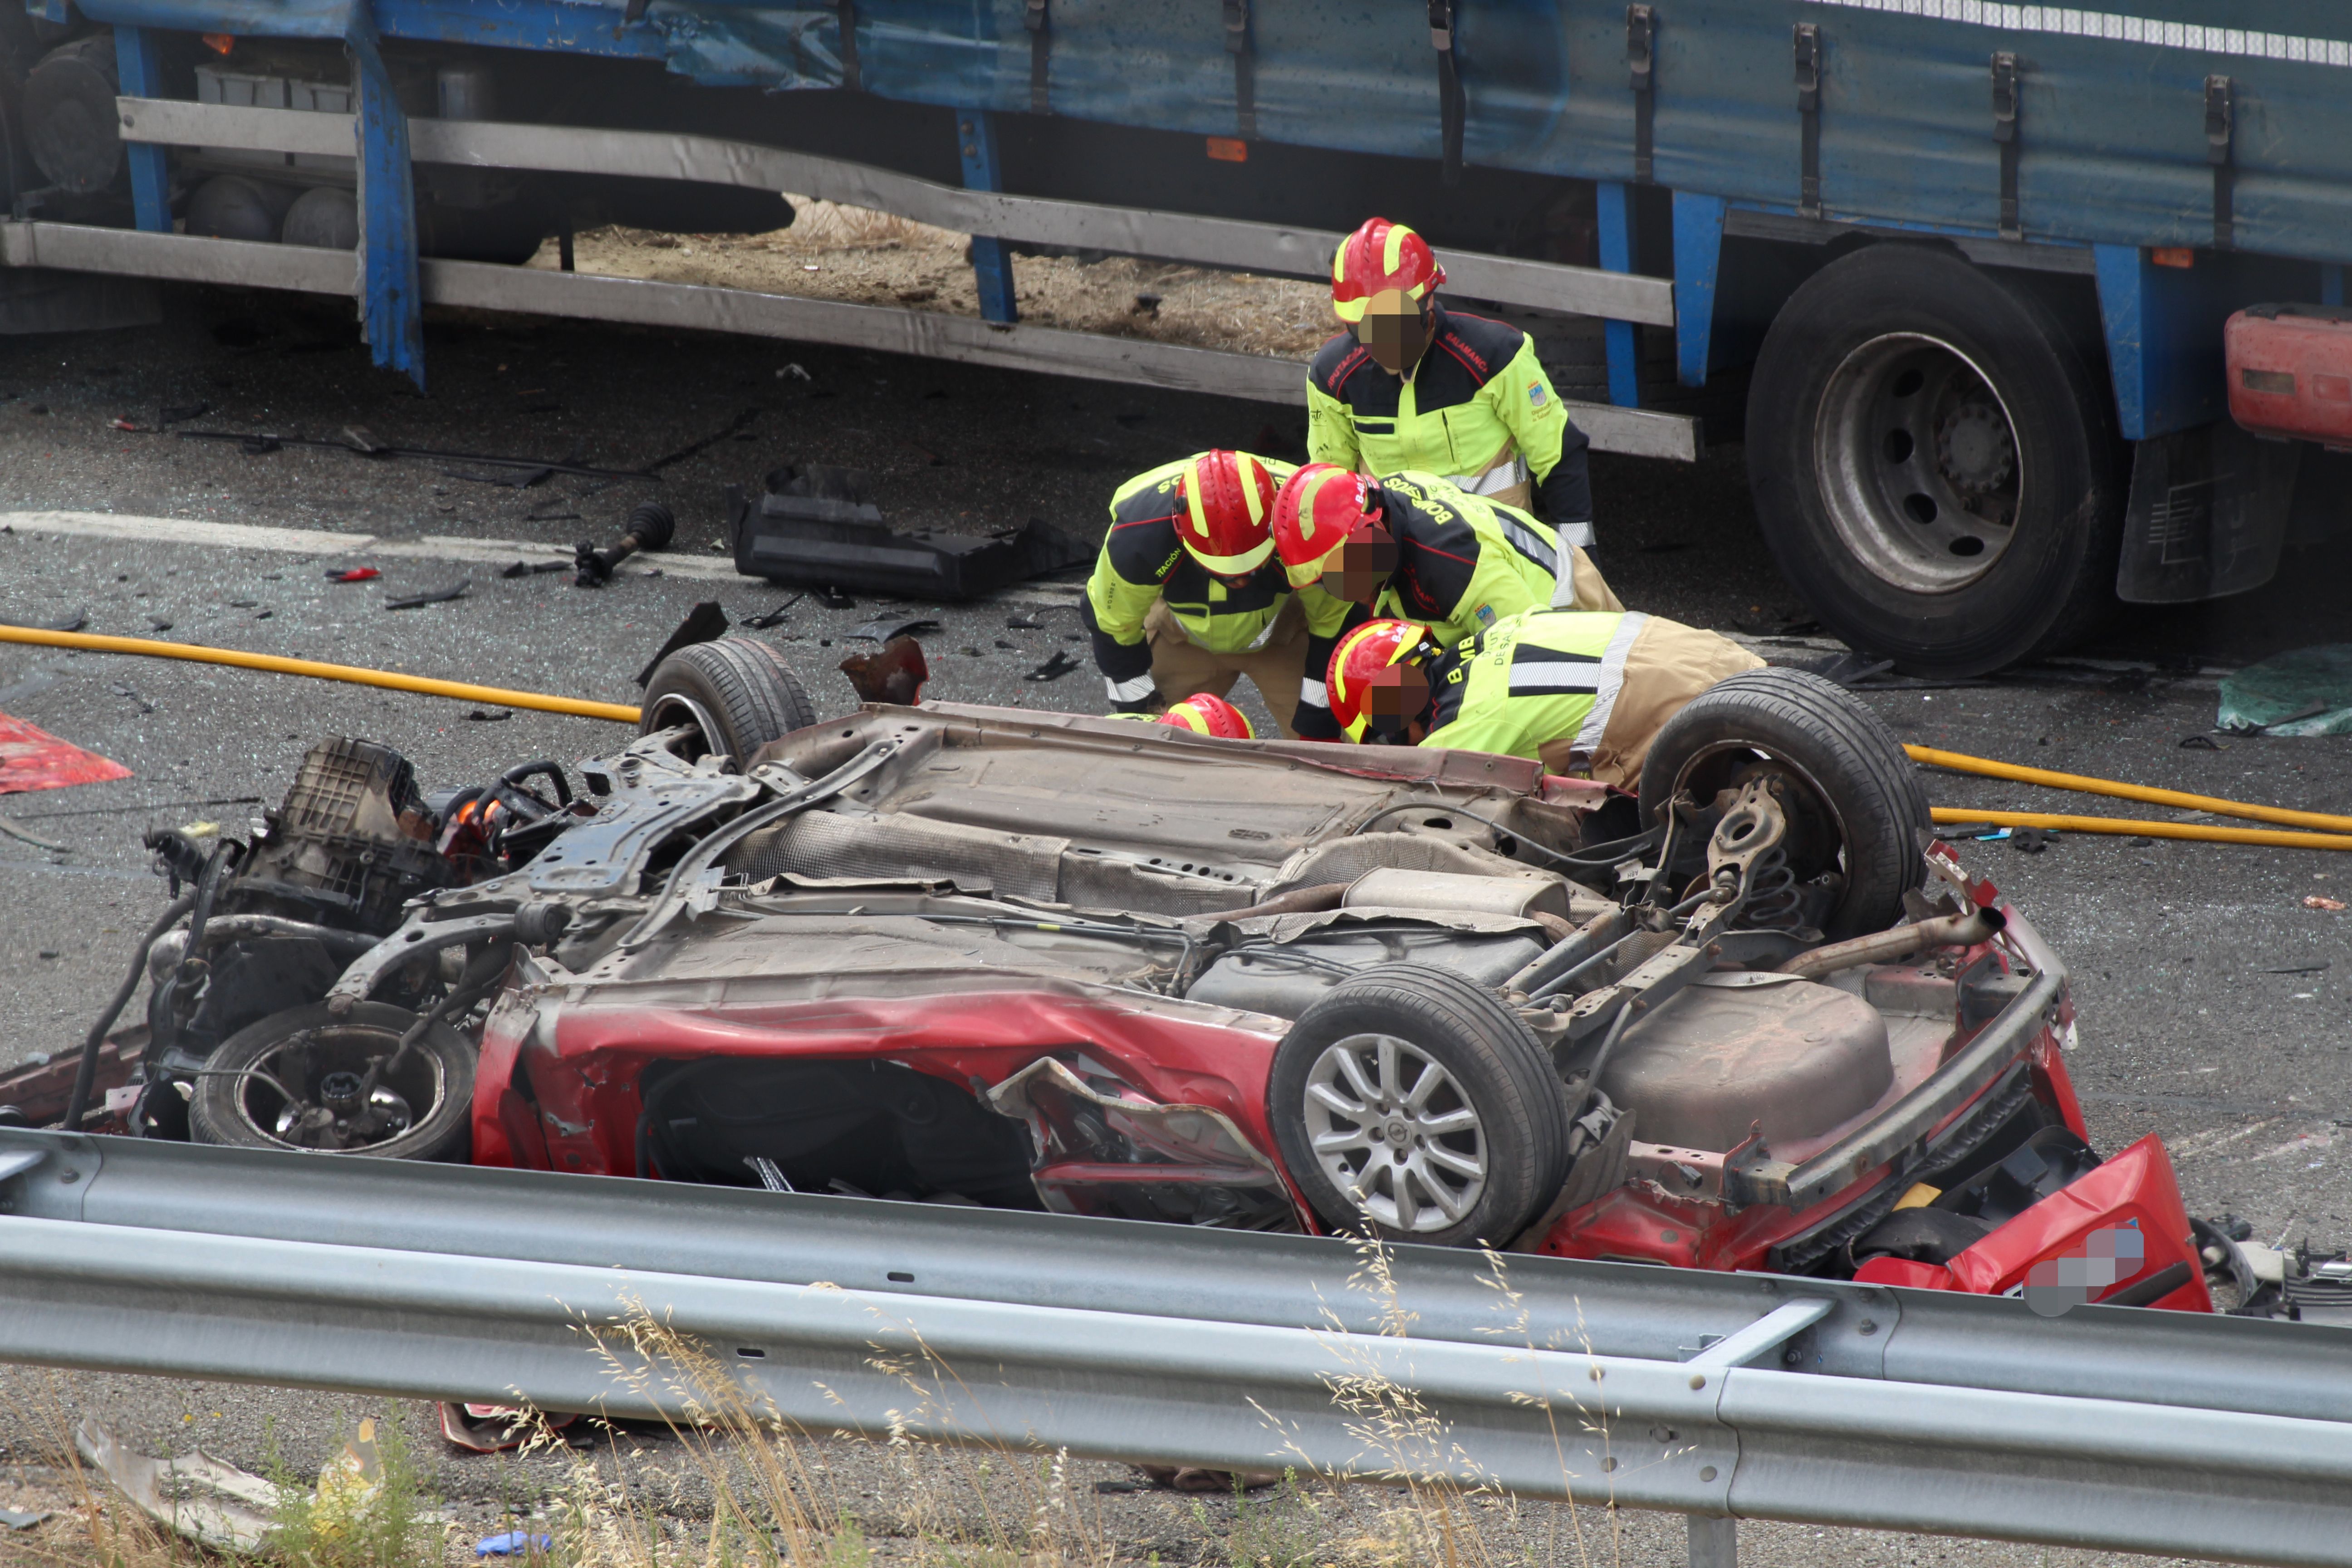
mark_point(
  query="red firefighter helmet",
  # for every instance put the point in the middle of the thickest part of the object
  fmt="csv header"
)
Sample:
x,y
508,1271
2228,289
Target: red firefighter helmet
x,y
1227,498
1375,681
1382,255
1206,715
1320,505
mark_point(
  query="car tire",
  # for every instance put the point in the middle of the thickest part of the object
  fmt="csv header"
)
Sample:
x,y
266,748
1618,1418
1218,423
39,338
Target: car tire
x,y
737,693
1934,463
1850,760
1465,1182
232,1107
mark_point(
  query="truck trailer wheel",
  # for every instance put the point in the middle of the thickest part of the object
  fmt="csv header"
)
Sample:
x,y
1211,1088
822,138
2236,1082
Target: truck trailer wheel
x,y
1933,463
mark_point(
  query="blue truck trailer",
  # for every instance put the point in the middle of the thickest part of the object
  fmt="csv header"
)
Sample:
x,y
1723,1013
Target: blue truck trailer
x,y
1957,271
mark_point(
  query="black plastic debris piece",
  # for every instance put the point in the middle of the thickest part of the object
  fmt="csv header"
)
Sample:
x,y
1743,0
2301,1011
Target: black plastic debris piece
x,y
1026,621
260,446
818,525
2315,966
884,629
72,623
835,599
122,690
2032,840
437,597
704,622
776,616
1054,668
509,478
650,527
159,625
2200,744
971,653
1962,832
1002,643
490,716
533,568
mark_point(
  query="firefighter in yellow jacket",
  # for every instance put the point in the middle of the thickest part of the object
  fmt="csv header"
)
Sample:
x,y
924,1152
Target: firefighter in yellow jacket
x,y
1186,596
1414,385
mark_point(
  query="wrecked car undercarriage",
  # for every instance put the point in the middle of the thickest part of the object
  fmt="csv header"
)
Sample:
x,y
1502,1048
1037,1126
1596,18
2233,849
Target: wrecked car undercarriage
x,y
969,956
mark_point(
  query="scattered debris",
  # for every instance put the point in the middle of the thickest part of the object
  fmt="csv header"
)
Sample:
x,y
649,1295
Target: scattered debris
x,y
1003,642
72,623
890,630
513,479
156,626
971,653
1963,832
195,1495
1054,668
439,596
122,690
893,674
14,831
704,622
513,1543
2303,693
2200,744
2032,840
793,372
352,574
2319,901
260,446
1027,621
835,599
254,442
490,716
533,568
31,758
650,527
2313,968
17,1519
776,616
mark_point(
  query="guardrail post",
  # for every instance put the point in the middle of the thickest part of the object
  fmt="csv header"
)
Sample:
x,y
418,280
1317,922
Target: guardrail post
x,y
991,263
1714,1542
141,76
1622,339
391,307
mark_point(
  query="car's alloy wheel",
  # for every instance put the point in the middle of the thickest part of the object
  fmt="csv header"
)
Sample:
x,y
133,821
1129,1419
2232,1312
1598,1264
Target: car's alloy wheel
x,y
1390,1124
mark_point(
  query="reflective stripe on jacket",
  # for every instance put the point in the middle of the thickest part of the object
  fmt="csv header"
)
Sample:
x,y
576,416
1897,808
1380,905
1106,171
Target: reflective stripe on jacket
x,y
1530,679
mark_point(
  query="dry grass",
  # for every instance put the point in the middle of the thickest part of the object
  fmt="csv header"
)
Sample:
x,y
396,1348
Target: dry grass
x,y
772,1500
832,252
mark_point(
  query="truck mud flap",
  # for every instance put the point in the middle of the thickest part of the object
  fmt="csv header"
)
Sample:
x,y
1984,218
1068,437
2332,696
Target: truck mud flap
x,y
2207,515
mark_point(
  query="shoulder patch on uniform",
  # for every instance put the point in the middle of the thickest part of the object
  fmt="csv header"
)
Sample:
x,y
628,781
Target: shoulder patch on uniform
x,y
1536,393
1486,614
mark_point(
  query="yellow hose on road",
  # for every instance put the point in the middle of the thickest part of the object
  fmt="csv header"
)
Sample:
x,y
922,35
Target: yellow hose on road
x,y
2204,831
1985,767
457,691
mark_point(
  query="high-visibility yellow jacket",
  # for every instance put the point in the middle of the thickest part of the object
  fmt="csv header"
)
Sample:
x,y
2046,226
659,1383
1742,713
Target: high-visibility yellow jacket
x,y
1532,680
1465,562
1478,409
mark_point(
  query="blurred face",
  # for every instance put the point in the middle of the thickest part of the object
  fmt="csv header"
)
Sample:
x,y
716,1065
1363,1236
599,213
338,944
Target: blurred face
x,y
1396,705
1359,569
1395,329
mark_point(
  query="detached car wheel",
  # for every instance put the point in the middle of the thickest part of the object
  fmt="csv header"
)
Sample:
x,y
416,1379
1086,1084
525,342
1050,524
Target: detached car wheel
x,y
738,694
1849,772
1935,462
299,1080
1412,1104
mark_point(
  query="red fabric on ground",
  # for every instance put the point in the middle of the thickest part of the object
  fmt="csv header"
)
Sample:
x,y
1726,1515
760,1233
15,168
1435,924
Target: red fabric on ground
x,y
32,758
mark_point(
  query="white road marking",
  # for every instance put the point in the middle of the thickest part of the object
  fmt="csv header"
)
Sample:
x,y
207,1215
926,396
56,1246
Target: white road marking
x,y
322,542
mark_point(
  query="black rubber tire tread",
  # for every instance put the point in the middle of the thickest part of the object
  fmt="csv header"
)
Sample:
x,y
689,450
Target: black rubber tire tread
x,y
1821,728
743,684
2056,582
446,1134
1491,1053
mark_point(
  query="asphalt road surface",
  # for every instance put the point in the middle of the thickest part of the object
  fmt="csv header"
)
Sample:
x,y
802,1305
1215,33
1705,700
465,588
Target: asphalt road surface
x,y
2211,999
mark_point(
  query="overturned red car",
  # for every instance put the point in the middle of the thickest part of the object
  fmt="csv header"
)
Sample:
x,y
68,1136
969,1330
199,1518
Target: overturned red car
x,y
1754,1019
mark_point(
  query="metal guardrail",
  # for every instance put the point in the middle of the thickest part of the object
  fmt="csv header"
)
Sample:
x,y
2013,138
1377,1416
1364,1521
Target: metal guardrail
x,y
2108,1427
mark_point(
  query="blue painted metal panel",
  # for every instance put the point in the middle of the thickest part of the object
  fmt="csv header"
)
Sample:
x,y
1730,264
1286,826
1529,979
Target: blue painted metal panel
x,y
392,308
991,259
1621,340
1698,255
138,73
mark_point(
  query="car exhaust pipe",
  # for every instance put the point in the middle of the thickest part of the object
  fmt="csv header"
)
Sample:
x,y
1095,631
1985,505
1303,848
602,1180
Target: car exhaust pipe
x,y
1944,931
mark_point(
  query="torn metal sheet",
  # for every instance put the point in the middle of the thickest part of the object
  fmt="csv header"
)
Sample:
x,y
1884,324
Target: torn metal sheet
x,y
31,758
195,1495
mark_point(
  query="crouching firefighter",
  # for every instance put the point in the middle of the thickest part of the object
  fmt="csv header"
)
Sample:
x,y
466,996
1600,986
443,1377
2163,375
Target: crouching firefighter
x,y
1414,385
1186,596
1583,693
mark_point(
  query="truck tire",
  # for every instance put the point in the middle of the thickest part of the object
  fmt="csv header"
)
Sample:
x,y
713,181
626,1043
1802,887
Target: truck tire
x,y
1379,1147
737,693
1849,761
1933,464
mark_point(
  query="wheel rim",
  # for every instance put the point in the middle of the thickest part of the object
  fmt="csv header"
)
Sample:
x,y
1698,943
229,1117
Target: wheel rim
x,y
310,1092
1918,463
1724,762
672,710
1394,1131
